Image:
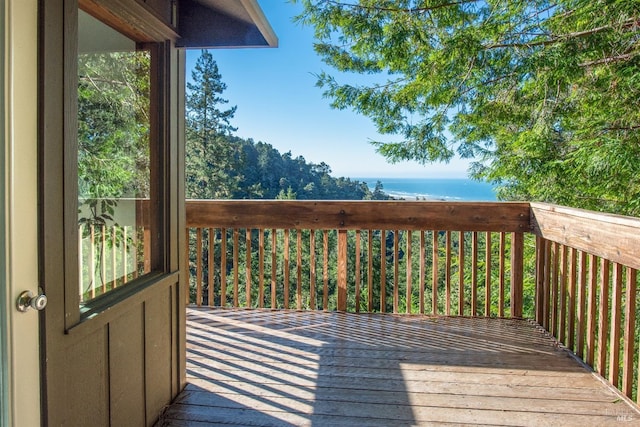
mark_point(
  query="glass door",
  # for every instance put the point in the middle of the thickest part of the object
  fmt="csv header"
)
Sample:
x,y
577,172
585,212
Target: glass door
x,y
114,174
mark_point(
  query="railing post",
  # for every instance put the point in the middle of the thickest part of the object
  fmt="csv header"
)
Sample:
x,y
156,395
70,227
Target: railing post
x,y
517,251
342,270
540,279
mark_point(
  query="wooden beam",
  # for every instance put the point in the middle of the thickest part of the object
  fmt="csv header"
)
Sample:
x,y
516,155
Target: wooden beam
x,y
614,237
132,18
364,215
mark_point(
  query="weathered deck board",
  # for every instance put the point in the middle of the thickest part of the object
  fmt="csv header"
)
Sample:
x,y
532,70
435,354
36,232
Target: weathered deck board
x,y
281,368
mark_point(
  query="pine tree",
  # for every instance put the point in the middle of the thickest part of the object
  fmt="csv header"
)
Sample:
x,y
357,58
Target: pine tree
x,y
542,95
210,155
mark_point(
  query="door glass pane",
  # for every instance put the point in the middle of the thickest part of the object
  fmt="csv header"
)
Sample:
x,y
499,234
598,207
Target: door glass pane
x,y
113,158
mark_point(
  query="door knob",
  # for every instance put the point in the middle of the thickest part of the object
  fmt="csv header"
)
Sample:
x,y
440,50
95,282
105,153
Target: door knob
x,y
28,300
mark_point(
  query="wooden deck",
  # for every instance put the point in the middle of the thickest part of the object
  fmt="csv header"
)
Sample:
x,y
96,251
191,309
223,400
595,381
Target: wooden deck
x,y
281,368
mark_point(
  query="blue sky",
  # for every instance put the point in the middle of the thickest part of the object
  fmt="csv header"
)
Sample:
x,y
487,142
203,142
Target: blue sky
x,y
278,103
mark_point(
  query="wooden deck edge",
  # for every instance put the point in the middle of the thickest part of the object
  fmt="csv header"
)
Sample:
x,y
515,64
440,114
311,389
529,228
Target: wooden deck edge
x,y
634,406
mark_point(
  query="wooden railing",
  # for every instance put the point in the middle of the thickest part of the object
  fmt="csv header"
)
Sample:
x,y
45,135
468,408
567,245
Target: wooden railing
x,y
409,257
430,258
113,252
586,287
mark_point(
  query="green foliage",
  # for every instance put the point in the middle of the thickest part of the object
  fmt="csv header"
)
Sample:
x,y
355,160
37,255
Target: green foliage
x,y
210,157
268,174
113,164
222,166
113,125
542,95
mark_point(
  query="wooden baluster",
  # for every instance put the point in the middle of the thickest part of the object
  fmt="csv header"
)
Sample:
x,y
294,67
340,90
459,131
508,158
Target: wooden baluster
x,y
487,275
261,256
286,269
103,257
540,277
199,267
546,297
447,273
223,269
616,312
342,270
236,268
423,271
409,271
248,268
312,269
125,261
474,274
434,274
591,310
571,318
582,291
370,271
501,275
517,274
629,332
325,269
125,255
114,259
461,273
211,269
147,249
274,269
562,312
396,262
555,285
134,246
357,268
81,263
299,269
187,263
92,260
383,270
603,317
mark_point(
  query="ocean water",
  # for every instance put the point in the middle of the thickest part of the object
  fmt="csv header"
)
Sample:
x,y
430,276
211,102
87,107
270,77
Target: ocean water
x,y
434,188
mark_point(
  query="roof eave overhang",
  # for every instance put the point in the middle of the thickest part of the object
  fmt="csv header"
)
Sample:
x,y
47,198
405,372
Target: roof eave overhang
x,y
223,24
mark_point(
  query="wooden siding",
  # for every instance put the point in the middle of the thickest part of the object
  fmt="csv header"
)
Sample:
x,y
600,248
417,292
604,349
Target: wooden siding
x,y
123,362
266,368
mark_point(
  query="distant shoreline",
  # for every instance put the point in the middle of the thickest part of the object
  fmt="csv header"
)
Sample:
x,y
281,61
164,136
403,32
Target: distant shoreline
x,y
443,189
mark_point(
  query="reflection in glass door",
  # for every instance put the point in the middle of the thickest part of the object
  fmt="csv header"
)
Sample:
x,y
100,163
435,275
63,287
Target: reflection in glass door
x,y
113,158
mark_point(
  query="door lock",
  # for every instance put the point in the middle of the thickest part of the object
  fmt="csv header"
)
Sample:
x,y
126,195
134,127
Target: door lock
x,y
28,300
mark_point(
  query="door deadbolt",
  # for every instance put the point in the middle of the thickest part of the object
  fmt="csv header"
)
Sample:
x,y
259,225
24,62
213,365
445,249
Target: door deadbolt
x,y
28,300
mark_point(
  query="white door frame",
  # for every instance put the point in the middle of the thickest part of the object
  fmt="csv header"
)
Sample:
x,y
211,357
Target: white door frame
x,y
20,220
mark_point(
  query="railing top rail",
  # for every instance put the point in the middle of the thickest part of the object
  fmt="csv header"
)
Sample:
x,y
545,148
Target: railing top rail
x,y
364,215
614,237
583,214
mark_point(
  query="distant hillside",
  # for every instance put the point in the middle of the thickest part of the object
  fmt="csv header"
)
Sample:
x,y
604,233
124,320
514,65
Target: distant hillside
x,y
219,165
265,173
